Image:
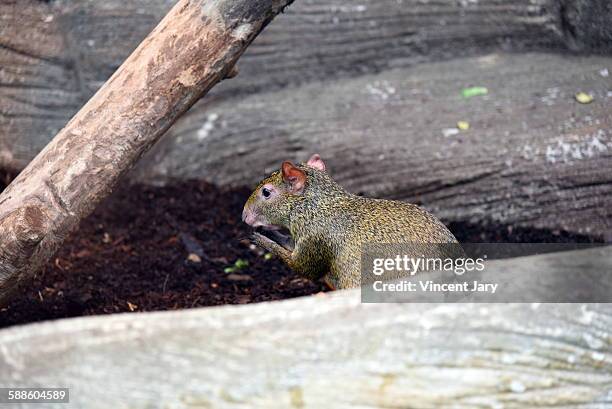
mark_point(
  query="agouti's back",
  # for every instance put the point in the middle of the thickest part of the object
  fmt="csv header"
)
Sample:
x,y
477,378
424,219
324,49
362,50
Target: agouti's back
x,y
365,220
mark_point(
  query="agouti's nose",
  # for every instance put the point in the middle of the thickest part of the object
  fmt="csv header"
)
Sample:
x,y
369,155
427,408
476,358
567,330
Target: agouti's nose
x,y
247,216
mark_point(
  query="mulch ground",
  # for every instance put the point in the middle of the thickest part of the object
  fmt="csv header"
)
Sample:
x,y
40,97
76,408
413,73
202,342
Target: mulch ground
x,y
182,246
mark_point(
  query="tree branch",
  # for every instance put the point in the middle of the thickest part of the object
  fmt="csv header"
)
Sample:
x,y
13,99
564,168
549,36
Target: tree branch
x,y
195,46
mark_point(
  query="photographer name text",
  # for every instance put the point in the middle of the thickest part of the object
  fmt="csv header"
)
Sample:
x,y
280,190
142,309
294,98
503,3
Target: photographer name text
x,y
430,286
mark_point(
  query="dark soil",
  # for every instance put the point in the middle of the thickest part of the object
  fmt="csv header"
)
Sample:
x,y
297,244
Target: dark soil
x,y
147,249
150,248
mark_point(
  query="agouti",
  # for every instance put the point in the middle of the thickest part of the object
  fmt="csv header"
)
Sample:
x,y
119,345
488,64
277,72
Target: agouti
x,y
329,225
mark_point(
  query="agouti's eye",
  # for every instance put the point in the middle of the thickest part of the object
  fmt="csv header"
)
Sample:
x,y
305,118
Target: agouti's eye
x,y
265,192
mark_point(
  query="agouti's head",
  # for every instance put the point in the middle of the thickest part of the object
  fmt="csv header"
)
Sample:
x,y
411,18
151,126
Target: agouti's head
x,y
275,198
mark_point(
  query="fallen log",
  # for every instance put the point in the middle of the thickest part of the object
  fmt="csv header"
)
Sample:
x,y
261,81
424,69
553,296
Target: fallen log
x,y
532,152
195,46
327,351
57,54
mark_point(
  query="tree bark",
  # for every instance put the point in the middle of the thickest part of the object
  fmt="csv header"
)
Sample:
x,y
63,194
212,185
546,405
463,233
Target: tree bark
x,y
195,46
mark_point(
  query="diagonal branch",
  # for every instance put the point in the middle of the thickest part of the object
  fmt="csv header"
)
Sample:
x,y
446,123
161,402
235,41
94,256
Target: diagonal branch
x,y
194,47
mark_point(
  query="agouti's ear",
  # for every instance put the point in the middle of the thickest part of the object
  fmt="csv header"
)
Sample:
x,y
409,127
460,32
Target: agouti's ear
x,y
295,177
316,162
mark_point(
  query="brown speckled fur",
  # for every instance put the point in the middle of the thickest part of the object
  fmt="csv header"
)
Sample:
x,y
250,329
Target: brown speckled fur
x,y
329,227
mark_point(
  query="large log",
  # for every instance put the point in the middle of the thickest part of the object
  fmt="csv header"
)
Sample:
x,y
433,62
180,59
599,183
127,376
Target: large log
x,y
88,40
327,351
195,46
533,157
97,37
39,87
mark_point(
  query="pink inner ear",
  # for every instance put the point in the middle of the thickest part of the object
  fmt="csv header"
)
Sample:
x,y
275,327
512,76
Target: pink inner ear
x,y
316,162
295,176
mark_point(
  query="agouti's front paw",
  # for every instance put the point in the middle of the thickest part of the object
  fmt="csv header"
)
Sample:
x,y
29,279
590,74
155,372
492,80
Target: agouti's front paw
x,y
264,242
273,247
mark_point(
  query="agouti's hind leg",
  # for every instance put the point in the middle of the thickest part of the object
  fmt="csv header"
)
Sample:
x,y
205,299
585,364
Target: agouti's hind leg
x,y
329,284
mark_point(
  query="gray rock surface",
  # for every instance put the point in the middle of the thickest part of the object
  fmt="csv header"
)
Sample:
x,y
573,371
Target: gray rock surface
x,y
532,152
